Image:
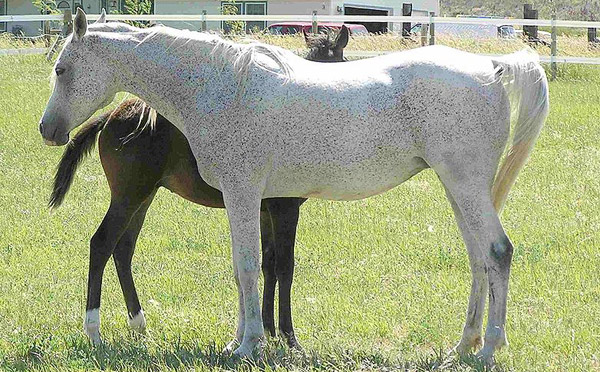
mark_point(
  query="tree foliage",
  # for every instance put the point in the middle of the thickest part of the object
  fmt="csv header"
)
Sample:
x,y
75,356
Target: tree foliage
x,y
140,7
46,6
233,27
583,10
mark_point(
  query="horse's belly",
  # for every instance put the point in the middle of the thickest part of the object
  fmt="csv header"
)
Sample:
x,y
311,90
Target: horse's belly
x,y
356,181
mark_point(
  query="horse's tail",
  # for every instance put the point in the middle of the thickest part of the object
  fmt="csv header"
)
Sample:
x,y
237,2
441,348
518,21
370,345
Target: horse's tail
x,y
527,86
80,145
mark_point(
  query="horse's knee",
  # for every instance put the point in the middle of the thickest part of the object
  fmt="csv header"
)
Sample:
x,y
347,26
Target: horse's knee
x,y
502,252
99,245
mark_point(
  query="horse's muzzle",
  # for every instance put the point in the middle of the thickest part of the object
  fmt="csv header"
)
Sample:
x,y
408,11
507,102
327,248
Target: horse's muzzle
x,y
54,139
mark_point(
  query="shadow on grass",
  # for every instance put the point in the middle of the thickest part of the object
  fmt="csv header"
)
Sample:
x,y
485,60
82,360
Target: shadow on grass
x,y
74,352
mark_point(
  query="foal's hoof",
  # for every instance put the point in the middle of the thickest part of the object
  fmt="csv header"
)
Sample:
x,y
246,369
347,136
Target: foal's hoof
x,y
138,322
91,326
93,333
292,343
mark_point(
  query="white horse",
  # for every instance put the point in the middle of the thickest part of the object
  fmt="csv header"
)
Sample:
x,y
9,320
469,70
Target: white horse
x,y
263,123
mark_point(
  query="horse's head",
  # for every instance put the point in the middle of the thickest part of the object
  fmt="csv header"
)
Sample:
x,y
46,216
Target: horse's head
x,y
82,85
325,48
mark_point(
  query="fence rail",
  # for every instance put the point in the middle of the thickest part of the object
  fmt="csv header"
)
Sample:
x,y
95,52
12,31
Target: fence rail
x,y
353,54
430,21
310,18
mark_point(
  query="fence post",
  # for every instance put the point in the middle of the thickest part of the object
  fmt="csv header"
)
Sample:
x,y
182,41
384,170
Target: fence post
x,y
431,29
203,26
406,12
47,32
424,33
592,36
67,22
315,29
530,31
553,48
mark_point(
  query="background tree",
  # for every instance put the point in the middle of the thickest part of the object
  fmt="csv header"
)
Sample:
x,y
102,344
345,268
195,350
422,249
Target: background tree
x,y
232,27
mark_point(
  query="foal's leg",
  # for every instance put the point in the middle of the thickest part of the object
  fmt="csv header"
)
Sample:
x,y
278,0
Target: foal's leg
x,y
243,210
471,337
267,238
122,256
102,244
284,215
472,193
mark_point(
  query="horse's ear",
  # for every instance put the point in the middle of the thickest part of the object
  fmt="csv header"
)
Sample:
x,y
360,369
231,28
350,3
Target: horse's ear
x,y
79,25
342,38
102,18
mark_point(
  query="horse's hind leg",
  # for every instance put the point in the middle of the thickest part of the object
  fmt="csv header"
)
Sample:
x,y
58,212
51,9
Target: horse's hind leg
x,y
122,256
284,215
267,238
102,245
470,186
471,337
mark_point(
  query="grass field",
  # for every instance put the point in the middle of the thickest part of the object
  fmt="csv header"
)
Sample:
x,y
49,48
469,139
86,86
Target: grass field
x,y
380,283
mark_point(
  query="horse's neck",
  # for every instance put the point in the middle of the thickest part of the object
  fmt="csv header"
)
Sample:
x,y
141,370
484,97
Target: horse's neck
x,y
168,76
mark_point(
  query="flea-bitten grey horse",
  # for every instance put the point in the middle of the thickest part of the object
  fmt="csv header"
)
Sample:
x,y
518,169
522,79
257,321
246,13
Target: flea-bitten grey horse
x,y
263,123
161,157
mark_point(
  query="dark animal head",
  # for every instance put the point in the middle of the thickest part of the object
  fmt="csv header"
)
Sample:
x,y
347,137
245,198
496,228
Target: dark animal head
x,y
327,47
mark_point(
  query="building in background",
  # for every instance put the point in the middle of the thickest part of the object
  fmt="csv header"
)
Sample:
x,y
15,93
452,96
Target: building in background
x,y
328,7
26,7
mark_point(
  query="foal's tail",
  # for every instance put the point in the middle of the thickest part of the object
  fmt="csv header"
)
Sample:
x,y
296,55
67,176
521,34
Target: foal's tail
x,y
78,148
527,86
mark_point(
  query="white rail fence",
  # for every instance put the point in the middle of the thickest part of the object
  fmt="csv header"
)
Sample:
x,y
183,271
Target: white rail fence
x,y
430,20
310,18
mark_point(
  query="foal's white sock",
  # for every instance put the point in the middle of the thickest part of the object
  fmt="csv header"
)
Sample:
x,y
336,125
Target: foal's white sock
x,y
91,325
138,322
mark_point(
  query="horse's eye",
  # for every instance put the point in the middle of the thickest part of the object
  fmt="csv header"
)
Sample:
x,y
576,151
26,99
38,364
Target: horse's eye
x,y
59,71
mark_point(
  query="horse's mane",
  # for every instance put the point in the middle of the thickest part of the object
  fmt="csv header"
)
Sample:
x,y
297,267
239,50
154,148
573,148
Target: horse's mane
x,y
244,56
241,57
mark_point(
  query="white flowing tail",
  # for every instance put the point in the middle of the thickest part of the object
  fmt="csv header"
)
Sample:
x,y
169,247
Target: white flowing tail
x,y
527,86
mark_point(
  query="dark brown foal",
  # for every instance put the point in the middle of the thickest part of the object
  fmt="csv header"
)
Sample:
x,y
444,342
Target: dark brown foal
x,y
163,158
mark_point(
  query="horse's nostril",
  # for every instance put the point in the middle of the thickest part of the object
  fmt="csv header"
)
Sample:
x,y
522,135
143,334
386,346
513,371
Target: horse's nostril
x,y
41,127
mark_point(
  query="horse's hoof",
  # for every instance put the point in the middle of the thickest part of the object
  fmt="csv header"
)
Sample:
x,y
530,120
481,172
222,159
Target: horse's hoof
x,y
250,353
138,322
243,352
231,347
486,357
465,347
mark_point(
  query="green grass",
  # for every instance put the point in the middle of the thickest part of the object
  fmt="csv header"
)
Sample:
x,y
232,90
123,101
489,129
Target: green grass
x,y
380,283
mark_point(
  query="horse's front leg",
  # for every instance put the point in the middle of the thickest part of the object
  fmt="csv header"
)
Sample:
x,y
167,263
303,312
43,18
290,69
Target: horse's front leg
x,y
243,210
